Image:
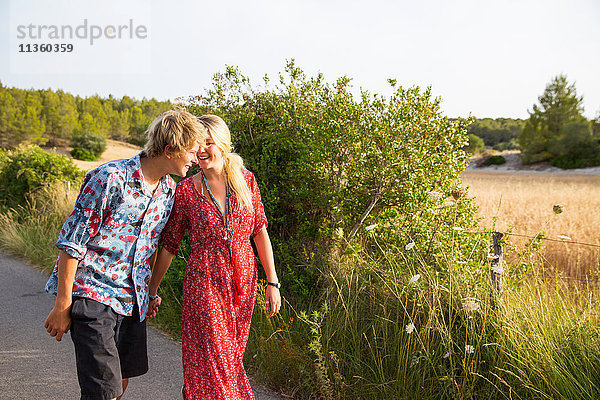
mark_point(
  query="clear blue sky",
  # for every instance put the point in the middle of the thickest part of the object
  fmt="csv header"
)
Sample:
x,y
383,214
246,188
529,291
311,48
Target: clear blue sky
x,y
484,58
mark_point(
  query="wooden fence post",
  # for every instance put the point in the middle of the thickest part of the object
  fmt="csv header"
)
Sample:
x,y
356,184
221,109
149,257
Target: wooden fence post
x,y
497,266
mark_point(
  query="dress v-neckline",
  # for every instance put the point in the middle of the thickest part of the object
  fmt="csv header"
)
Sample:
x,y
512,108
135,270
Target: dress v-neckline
x,y
209,201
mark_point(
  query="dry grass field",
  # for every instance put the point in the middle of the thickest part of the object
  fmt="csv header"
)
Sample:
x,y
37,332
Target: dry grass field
x,y
524,202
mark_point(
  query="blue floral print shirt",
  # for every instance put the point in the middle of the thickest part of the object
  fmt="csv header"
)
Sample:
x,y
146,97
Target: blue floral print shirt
x,y
113,231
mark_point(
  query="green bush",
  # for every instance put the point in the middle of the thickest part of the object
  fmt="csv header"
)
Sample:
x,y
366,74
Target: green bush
x,y
330,163
476,144
26,170
494,160
88,142
571,162
511,145
84,155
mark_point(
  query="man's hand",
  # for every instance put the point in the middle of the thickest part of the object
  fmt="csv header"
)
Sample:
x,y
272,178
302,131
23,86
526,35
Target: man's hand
x,y
153,307
58,322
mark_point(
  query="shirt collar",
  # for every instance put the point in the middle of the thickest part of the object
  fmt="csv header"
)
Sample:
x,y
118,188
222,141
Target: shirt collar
x,y
135,175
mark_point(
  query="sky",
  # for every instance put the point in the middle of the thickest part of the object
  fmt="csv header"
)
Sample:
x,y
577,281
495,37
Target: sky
x,y
482,58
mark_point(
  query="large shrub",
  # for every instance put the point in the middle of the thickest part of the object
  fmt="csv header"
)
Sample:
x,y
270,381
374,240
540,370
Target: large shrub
x,y
26,170
88,146
330,163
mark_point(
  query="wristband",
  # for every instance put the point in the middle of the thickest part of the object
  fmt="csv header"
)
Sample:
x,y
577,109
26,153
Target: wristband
x,y
274,284
153,297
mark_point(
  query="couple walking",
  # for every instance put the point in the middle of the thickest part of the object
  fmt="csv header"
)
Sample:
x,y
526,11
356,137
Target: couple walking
x,y
109,267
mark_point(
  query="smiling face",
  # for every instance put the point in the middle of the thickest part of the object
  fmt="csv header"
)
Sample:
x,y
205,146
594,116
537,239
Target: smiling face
x,y
210,156
182,163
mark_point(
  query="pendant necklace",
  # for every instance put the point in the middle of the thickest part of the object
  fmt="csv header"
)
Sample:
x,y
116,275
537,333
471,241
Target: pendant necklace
x,y
225,214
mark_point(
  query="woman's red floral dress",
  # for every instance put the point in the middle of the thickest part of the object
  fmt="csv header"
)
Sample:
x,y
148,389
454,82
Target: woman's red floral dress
x,y
218,295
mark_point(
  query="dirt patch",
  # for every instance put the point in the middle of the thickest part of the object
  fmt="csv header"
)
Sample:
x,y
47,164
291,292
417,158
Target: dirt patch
x,y
514,164
115,150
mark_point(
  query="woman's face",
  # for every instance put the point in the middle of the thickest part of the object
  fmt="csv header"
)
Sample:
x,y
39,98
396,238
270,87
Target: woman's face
x,y
210,156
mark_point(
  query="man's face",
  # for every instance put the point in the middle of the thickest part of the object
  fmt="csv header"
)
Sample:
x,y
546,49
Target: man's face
x,y
183,162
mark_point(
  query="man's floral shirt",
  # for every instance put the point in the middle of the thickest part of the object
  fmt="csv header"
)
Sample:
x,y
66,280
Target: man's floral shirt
x,y
113,231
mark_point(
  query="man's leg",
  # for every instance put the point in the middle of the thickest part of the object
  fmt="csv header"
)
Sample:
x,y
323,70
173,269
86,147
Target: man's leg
x,y
93,334
132,346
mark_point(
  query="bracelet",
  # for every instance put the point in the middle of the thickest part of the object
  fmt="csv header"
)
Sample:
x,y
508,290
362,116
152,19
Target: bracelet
x,y
153,297
274,284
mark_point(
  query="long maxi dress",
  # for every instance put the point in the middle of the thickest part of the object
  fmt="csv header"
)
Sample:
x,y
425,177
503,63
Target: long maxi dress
x,y
219,289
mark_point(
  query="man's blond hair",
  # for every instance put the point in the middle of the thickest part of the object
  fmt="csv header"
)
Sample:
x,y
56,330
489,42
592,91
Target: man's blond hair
x,y
177,129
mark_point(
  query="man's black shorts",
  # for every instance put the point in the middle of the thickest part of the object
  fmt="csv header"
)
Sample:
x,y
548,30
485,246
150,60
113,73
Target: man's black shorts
x,y
108,348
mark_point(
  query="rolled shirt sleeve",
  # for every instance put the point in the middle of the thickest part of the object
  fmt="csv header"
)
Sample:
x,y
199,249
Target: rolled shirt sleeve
x,y
90,210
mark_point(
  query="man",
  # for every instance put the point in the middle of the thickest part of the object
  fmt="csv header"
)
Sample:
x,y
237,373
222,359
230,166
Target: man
x,y
106,247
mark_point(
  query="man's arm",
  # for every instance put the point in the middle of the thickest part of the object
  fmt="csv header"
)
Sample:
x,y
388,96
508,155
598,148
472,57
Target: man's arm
x,y
59,319
159,269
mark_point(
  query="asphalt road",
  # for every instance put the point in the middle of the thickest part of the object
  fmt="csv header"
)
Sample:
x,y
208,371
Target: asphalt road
x,y
34,365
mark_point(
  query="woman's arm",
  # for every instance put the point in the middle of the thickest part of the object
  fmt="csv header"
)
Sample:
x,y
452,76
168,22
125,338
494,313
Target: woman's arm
x,y
265,253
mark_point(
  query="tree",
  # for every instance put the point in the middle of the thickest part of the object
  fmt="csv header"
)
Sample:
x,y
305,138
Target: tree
x,y
558,106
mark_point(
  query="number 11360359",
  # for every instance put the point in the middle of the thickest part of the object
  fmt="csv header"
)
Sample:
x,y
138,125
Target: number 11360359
x,y
45,48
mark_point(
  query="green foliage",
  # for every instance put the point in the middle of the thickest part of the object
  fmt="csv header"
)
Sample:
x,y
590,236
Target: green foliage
x,y
513,144
88,145
27,170
84,155
494,160
575,147
53,117
328,163
496,131
476,144
544,136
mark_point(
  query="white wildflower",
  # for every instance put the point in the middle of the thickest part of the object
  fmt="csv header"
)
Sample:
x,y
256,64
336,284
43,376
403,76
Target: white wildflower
x,y
563,237
458,228
498,269
447,354
414,278
469,349
410,328
434,195
370,227
409,246
470,305
339,233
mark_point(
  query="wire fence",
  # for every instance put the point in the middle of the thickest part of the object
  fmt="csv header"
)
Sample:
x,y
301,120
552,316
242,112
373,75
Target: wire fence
x,y
564,239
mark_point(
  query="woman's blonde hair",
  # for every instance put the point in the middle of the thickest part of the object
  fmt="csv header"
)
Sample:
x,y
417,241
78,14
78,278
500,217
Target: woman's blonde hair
x,y
177,129
232,162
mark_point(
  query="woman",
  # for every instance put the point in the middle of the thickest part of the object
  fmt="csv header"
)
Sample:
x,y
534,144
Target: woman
x,y
221,208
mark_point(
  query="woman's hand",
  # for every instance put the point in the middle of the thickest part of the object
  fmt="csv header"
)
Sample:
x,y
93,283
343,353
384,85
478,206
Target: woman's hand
x,y
153,307
272,300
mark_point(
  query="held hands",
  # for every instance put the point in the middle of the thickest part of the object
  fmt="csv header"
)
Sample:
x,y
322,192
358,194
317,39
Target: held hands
x,y
153,306
58,322
272,300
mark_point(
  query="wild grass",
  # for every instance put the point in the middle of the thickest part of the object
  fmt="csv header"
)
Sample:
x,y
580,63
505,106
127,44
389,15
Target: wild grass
x,y
523,204
30,230
414,333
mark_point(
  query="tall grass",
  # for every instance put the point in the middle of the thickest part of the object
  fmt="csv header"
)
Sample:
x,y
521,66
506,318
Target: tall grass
x,y
523,203
30,230
392,327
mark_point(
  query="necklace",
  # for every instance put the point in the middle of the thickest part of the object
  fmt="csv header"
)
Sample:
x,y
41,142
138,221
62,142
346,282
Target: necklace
x,y
224,214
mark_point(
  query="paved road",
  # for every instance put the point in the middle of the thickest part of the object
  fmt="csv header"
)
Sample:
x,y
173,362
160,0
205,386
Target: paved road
x,y
35,366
